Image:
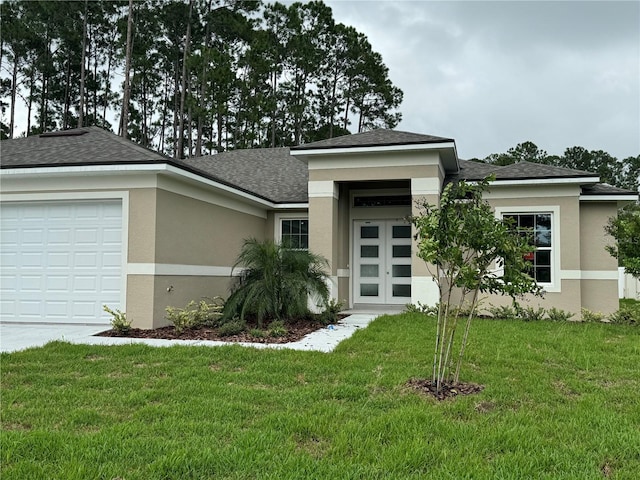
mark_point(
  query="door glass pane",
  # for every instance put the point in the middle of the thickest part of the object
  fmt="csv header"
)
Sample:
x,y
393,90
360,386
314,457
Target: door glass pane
x,y
401,270
401,251
369,251
401,231
368,270
401,290
369,232
368,289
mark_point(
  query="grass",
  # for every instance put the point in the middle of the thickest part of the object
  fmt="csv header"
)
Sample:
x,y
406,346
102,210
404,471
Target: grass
x,y
561,401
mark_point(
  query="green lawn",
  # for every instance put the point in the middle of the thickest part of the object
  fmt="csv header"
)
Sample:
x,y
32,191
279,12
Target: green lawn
x,y
562,400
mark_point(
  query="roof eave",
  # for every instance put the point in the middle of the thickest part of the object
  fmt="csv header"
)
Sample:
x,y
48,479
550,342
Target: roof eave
x,y
447,150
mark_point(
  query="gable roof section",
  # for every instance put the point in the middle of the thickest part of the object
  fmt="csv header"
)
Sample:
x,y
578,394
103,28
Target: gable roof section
x,y
516,171
522,171
80,146
271,173
374,138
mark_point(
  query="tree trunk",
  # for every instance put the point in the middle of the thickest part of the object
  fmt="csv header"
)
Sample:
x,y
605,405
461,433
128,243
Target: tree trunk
x,y
14,91
183,89
124,118
82,62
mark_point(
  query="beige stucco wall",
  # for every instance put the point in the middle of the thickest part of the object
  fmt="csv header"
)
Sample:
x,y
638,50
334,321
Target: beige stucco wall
x,y
170,230
142,225
378,173
194,232
593,239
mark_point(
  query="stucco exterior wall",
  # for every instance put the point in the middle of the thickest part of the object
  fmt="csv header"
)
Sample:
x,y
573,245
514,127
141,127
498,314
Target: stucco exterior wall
x,y
194,232
170,233
593,218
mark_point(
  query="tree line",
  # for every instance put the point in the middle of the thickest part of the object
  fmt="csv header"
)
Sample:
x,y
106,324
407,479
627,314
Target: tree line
x,y
623,173
191,77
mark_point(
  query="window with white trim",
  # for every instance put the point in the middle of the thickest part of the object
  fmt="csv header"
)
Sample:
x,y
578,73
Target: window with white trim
x,y
536,227
295,233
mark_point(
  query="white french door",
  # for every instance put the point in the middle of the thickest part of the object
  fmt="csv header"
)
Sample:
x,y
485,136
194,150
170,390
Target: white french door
x,y
382,261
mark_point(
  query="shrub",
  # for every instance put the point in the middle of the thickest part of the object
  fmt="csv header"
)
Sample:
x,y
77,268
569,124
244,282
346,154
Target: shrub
x,y
332,309
558,315
196,315
591,317
276,282
502,311
119,322
233,327
277,329
257,333
625,316
530,314
421,308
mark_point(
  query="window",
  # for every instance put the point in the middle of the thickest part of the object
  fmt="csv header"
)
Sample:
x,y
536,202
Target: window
x,y
295,233
537,229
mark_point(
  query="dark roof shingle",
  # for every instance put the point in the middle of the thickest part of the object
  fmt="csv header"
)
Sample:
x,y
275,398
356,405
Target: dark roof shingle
x,y
271,173
89,145
516,171
374,138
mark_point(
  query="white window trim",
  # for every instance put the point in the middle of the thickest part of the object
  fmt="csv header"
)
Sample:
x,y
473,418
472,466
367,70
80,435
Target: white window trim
x,y
554,210
278,217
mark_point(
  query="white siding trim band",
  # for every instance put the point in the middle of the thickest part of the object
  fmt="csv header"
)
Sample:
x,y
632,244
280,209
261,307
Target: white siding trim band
x,y
589,274
166,269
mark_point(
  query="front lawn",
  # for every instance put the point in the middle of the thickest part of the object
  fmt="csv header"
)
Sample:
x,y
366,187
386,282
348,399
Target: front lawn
x,y
561,400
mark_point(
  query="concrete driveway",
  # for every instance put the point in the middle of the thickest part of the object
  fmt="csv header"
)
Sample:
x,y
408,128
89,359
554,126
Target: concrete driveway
x,y
20,336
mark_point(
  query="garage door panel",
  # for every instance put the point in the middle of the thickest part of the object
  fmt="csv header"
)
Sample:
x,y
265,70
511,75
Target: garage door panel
x,y
87,236
31,283
9,238
31,260
61,261
60,237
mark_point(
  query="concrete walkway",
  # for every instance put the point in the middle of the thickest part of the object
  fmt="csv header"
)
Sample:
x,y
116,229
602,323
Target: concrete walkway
x,y
15,337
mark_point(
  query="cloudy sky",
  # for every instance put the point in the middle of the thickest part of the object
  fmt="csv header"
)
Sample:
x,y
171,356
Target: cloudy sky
x,y
495,74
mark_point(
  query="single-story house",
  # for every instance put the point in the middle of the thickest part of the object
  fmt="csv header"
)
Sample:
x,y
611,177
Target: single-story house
x,y
89,218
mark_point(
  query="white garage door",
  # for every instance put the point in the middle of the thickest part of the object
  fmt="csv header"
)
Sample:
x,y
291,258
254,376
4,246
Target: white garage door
x,y
60,261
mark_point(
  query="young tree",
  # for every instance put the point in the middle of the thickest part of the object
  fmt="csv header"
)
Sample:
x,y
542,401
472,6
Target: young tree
x,y
625,229
468,251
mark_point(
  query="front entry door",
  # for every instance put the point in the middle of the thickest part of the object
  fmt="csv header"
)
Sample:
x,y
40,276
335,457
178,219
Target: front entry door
x,y
382,259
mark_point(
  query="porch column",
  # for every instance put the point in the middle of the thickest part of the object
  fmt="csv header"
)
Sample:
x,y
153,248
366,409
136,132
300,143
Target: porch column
x,y
323,226
423,286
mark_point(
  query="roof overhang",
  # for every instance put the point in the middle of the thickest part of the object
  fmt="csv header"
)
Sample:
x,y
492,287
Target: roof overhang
x,y
547,181
613,197
446,150
146,168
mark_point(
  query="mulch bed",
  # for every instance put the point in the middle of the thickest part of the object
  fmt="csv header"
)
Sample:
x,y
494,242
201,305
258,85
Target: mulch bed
x,y
296,330
447,390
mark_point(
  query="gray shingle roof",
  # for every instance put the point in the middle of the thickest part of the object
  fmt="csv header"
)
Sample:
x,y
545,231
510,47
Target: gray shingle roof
x,y
374,138
271,173
516,171
90,145
605,189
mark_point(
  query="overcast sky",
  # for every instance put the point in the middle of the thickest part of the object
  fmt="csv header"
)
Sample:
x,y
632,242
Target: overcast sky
x,y
495,74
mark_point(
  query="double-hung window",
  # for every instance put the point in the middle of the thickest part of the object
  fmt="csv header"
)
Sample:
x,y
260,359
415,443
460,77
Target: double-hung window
x,y
295,233
537,228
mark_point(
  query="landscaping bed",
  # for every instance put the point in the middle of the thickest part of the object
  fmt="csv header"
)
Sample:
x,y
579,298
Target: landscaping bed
x,y
295,330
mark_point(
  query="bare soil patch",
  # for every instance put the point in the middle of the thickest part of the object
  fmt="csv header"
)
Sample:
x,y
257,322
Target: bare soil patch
x,y
447,390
